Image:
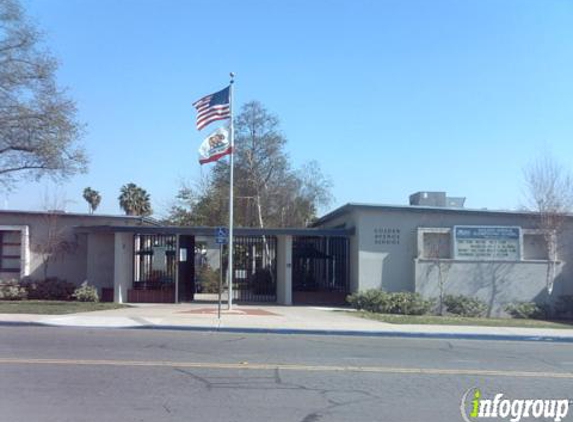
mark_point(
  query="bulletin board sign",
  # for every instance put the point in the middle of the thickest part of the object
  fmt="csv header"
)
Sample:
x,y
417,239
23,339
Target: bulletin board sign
x,y
487,243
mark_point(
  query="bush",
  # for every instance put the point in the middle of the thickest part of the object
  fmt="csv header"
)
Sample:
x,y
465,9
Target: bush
x,y
408,303
208,280
405,303
526,310
371,300
86,293
11,290
50,289
465,306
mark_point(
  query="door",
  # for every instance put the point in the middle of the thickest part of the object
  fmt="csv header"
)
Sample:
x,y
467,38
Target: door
x,y
186,268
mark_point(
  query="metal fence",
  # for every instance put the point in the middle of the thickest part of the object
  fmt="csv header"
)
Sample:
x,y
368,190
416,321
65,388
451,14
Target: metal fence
x,y
320,264
254,267
155,263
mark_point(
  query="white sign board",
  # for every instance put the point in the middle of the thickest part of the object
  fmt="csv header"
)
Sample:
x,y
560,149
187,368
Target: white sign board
x,y
159,262
487,243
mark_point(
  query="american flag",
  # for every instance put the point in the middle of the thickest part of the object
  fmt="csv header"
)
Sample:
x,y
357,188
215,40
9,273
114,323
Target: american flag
x,y
212,107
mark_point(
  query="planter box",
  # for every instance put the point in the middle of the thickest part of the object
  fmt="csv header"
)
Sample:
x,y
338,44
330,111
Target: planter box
x,y
151,296
106,294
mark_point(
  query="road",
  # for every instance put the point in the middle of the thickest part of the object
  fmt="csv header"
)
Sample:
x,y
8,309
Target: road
x,y
68,374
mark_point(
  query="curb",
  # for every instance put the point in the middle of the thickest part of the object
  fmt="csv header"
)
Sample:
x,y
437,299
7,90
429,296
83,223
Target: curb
x,y
356,333
280,331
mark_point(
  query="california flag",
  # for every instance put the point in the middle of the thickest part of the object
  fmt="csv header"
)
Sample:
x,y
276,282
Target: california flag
x,y
215,146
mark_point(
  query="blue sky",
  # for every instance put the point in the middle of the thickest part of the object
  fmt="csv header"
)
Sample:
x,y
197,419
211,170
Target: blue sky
x,y
391,97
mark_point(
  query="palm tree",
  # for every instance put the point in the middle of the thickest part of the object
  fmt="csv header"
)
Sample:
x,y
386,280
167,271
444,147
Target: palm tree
x,y
134,200
93,198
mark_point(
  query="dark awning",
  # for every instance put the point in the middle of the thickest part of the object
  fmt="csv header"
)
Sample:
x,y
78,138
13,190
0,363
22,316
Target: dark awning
x,y
210,231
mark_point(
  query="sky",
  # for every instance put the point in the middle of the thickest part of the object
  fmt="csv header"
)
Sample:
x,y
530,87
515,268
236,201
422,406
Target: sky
x,y
391,97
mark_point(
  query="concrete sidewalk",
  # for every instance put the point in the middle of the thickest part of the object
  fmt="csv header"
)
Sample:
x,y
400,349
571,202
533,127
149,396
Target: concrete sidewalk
x,y
275,319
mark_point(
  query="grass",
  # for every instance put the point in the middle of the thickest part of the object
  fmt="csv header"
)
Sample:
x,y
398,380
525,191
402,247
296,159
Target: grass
x,y
457,320
54,307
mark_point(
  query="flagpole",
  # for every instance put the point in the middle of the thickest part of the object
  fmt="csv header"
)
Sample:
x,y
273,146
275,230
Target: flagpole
x,y
231,163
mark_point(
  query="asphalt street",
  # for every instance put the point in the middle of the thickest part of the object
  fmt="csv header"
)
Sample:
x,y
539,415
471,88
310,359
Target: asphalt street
x,y
68,374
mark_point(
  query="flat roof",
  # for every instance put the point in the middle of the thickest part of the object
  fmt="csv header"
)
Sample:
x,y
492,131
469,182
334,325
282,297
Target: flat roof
x,y
210,231
148,220
351,206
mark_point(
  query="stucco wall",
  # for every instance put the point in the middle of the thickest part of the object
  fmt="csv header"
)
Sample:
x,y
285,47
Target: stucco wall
x,y
100,259
386,242
71,265
391,265
496,283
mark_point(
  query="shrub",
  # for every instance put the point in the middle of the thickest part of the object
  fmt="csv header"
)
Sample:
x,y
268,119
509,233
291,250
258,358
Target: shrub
x,y
86,293
11,290
526,310
50,289
208,279
372,300
465,306
408,303
405,303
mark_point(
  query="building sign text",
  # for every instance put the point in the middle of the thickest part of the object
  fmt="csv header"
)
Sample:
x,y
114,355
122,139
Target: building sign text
x,y
501,243
386,236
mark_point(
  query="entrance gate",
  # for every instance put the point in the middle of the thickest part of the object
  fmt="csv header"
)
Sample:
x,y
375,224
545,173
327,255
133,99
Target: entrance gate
x,y
255,270
154,269
320,270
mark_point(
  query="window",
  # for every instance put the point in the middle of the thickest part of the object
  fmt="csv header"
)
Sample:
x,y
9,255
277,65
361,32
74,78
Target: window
x,y
437,246
10,251
434,243
438,243
534,245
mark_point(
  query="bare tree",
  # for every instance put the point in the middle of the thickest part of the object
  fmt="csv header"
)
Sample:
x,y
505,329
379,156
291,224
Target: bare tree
x,y
315,191
38,126
438,251
549,193
57,242
199,204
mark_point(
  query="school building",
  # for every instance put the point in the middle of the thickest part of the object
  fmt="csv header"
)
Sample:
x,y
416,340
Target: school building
x,y
432,243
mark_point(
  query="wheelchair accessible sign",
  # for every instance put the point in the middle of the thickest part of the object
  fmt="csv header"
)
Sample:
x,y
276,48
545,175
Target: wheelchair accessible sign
x,y
221,235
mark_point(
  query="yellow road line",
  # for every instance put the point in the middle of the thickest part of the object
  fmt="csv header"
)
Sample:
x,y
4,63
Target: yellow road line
x,y
286,367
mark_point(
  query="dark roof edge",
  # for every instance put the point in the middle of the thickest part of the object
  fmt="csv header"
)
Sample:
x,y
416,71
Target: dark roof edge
x,y
210,231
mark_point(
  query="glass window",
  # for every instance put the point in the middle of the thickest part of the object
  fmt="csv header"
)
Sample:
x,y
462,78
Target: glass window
x,y
534,247
437,246
10,247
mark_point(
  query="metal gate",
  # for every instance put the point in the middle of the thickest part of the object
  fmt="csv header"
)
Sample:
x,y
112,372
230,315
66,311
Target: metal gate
x,y
320,271
254,267
154,268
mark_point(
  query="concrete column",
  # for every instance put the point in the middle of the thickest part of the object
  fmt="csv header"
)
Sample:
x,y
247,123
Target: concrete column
x,y
100,259
25,252
284,270
122,266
